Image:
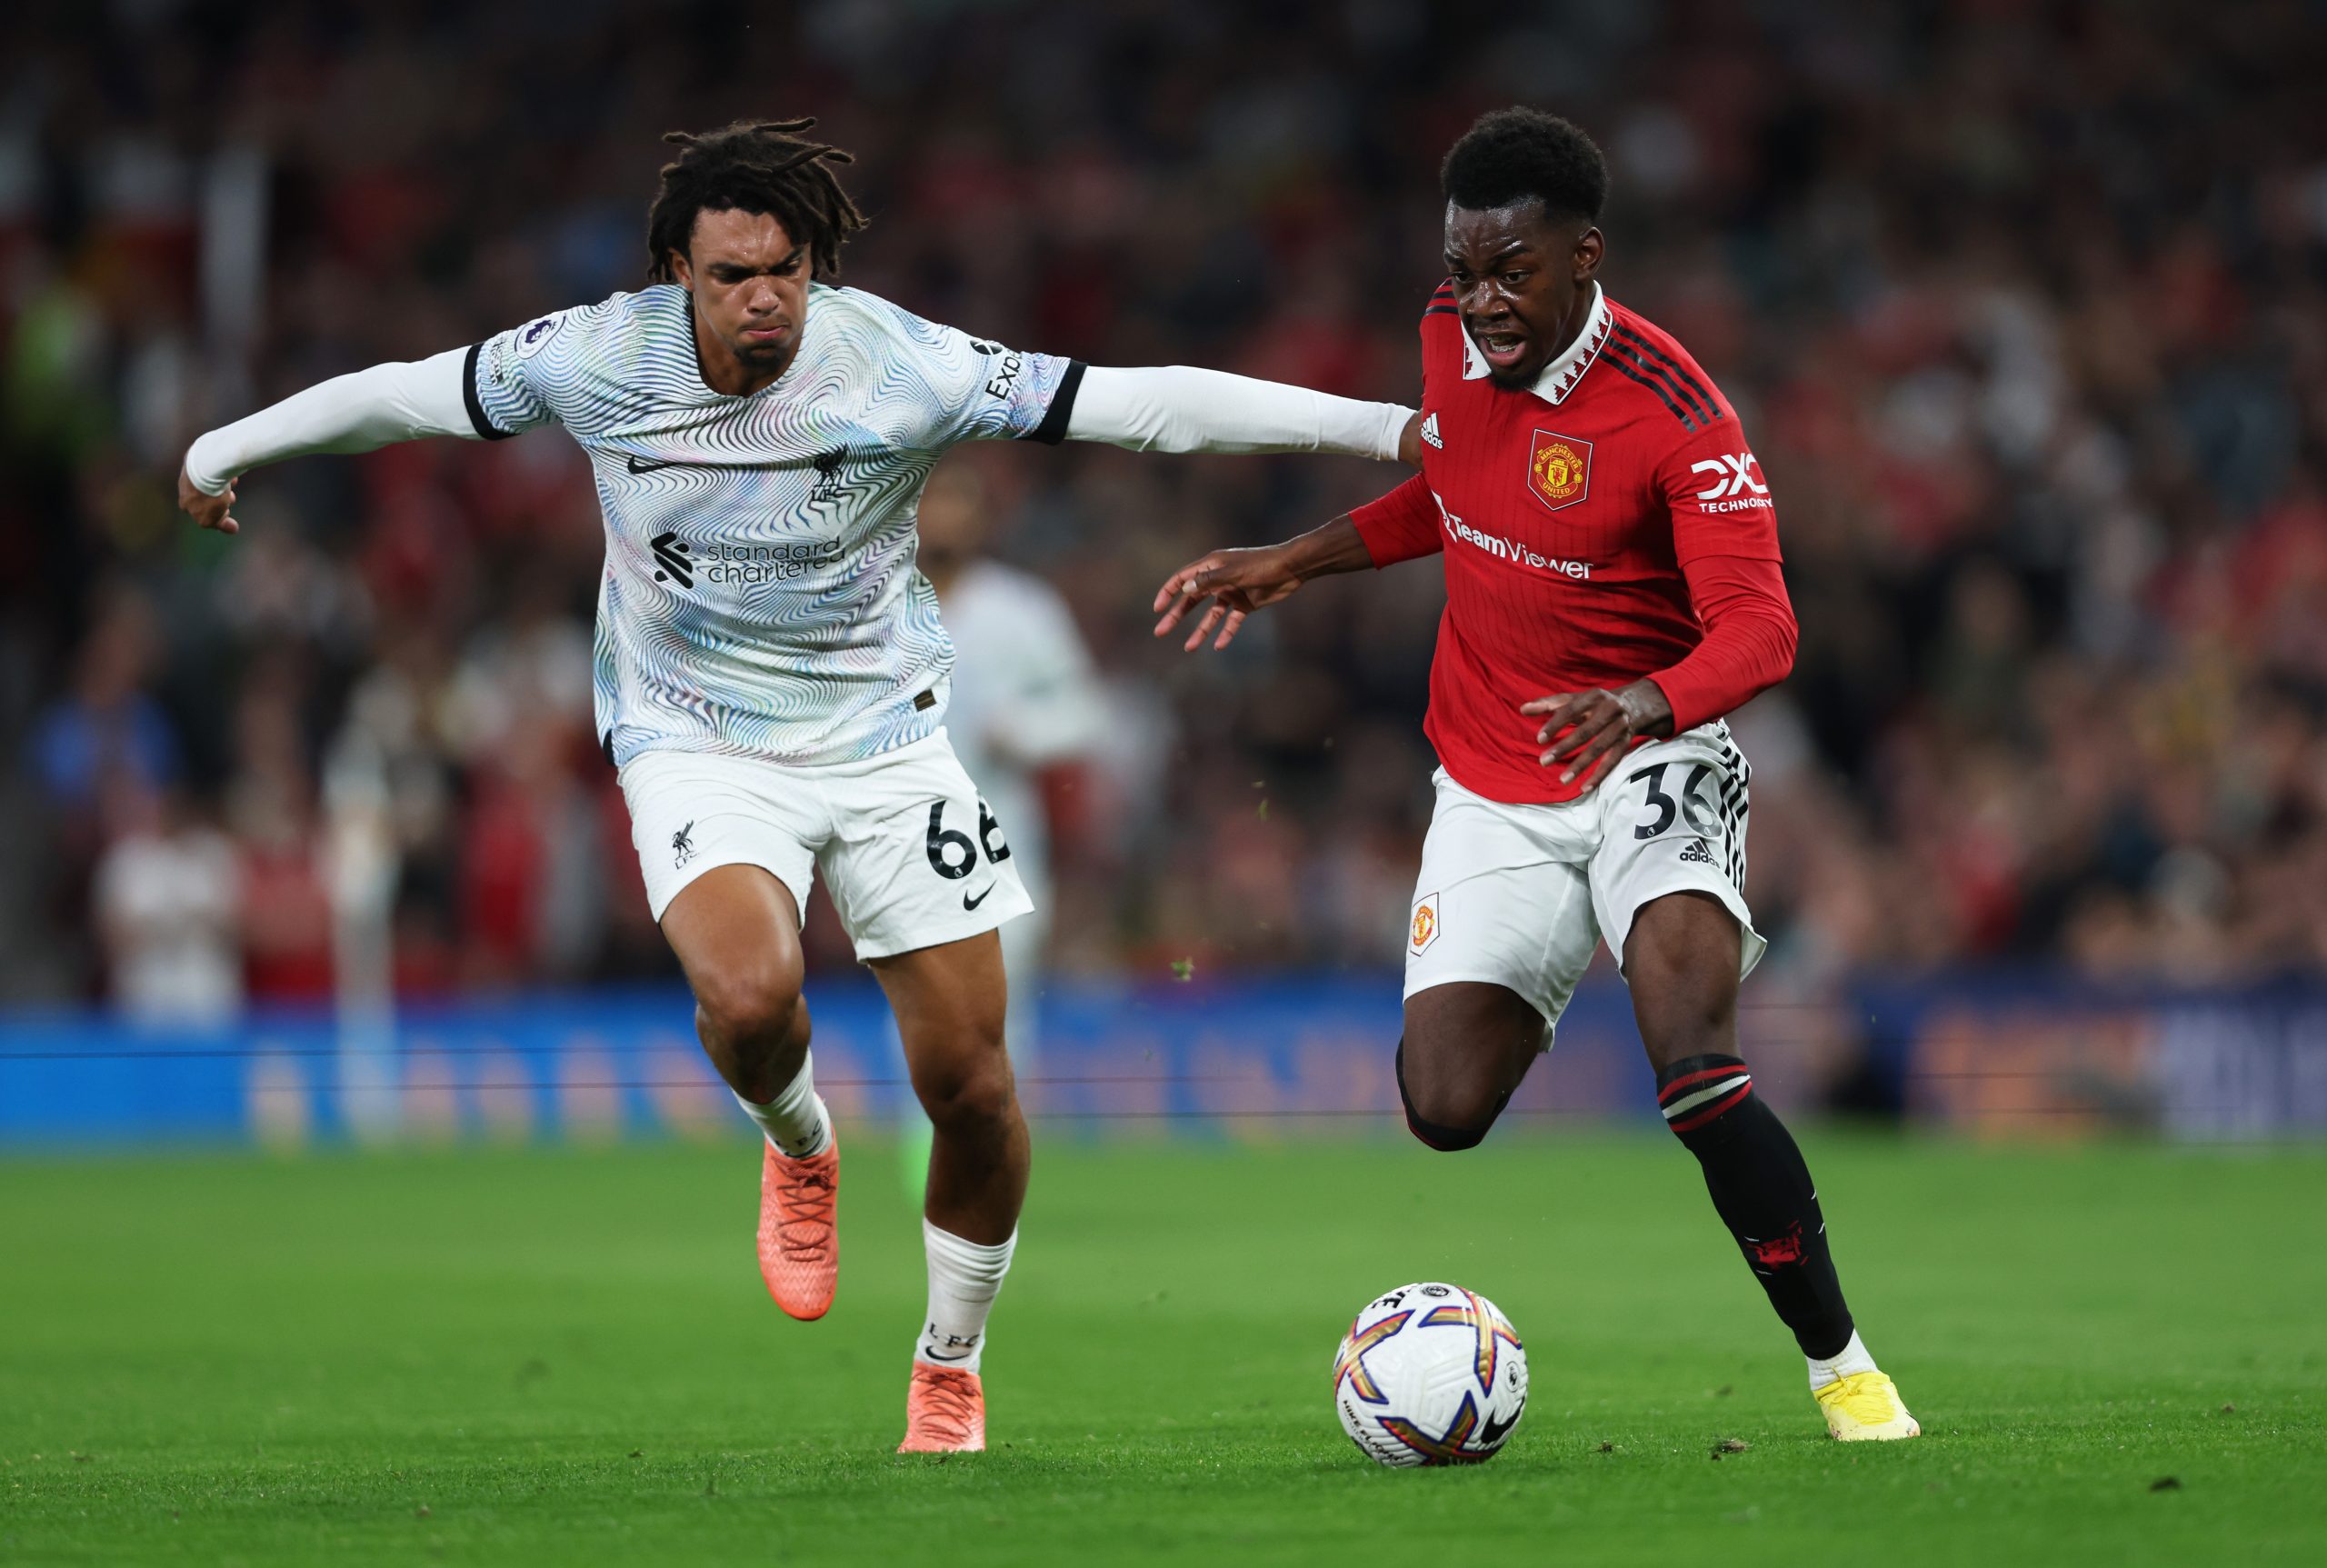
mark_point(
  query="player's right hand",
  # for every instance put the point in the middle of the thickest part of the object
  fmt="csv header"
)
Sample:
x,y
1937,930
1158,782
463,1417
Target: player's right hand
x,y
209,511
1237,582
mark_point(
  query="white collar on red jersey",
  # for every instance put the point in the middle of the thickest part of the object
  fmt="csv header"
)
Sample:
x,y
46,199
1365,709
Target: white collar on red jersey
x,y
1560,376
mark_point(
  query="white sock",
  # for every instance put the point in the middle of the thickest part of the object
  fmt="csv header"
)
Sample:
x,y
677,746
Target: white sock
x,y
963,1280
1848,1362
795,1121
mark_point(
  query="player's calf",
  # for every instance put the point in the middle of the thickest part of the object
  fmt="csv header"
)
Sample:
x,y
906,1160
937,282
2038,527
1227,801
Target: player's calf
x,y
799,1230
1681,962
950,1002
735,930
978,1146
1760,1187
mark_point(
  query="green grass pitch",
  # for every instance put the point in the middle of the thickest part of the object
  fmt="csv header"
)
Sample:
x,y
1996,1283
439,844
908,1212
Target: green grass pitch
x,y
565,1356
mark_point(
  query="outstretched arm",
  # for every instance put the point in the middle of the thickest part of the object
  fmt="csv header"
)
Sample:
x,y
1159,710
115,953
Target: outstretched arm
x,y
1178,408
358,413
1397,528
1239,582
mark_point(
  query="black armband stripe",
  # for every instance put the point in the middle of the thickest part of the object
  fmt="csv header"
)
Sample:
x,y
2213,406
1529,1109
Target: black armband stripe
x,y
485,429
1053,429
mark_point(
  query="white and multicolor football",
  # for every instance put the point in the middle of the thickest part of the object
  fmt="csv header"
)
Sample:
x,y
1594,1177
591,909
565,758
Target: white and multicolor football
x,y
1430,1373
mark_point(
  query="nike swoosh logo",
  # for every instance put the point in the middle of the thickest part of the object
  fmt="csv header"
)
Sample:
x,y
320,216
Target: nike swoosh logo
x,y
969,903
932,1355
648,464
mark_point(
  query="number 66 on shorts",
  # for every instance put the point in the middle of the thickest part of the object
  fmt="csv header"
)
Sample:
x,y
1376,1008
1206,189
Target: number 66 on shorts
x,y
1519,895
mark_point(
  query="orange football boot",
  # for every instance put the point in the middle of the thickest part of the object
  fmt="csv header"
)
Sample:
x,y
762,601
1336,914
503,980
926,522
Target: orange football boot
x,y
945,1411
799,1232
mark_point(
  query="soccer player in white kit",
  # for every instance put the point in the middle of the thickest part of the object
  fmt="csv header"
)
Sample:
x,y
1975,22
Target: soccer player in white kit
x,y
772,676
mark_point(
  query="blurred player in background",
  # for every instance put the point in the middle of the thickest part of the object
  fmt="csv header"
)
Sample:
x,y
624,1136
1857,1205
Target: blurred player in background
x,y
1026,709
1612,591
772,679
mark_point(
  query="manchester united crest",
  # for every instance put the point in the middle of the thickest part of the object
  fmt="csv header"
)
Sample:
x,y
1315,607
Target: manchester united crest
x,y
1426,926
1559,469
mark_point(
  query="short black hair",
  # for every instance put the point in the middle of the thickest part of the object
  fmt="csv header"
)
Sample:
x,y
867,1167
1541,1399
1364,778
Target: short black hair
x,y
752,166
1510,155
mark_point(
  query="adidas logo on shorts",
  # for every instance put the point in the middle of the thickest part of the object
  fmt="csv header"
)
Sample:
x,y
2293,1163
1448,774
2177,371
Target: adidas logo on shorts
x,y
1696,853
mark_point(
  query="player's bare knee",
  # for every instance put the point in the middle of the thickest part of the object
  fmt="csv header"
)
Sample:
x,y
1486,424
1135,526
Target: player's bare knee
x,y
751,1010
974,1096
1447,1112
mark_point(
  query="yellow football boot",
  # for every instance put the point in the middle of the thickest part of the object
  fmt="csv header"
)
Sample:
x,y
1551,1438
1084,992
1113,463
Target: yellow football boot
x,y
1865,1407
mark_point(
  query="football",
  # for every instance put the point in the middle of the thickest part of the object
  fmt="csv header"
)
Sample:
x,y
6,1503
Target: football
x,y
1430,1373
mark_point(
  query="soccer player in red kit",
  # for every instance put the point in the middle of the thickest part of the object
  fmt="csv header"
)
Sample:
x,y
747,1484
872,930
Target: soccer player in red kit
x,y
1612,591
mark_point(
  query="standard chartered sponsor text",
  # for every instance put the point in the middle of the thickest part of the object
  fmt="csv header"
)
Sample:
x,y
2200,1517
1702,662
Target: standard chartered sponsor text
x,y
749,564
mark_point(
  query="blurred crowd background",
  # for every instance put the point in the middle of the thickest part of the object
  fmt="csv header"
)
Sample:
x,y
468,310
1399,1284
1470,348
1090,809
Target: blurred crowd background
x,y
2025,306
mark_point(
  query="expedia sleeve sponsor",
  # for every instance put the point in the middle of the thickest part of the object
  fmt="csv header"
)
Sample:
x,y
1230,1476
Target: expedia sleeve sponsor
x,y
1002,366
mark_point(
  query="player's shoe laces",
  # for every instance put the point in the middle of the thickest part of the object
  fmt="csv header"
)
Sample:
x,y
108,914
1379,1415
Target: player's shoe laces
x,y
945,1411
799,1234
1865,1407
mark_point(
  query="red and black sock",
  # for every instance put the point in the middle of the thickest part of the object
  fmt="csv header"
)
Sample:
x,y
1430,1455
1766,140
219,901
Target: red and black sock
x,y
1763,1191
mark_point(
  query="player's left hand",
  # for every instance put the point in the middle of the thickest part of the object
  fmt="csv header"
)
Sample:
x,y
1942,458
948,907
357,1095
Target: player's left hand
x,y
1586,733
1237,582
208,510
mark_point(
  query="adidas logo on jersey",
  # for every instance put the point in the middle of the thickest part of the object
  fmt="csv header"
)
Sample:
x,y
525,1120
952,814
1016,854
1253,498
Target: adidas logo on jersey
x,y
1430,432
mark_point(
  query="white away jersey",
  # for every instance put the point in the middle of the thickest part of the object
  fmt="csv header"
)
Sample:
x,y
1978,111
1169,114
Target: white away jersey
x,y
760,596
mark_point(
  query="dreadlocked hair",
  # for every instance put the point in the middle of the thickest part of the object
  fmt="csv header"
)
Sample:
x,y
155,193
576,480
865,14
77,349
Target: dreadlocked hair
x,y
752,166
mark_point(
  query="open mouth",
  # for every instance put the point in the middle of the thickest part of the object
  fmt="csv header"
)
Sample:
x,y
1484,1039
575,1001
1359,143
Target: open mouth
x,y
1501,347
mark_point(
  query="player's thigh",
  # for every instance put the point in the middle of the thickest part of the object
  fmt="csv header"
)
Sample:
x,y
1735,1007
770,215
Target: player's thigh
x,y
691,815
1466,1046
950,1002
725,850
916,860
736,932
1503,900
1673,821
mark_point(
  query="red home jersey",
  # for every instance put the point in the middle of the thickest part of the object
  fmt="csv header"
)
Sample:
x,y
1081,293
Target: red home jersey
x,y
1606,524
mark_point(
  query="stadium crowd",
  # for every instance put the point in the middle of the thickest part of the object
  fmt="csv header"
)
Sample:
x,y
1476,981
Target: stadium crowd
x,y
2025,306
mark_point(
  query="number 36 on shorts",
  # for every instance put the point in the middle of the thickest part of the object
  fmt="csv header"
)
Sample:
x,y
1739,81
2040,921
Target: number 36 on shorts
x,y
1694,797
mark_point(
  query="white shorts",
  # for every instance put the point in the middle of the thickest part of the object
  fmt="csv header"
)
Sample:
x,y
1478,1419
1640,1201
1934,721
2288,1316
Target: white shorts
x,y
912,855
1519,895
